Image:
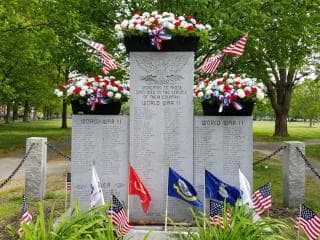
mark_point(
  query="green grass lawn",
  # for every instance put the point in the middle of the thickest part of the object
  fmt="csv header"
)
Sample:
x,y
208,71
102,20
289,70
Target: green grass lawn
x,y
13,136
272,172
298,131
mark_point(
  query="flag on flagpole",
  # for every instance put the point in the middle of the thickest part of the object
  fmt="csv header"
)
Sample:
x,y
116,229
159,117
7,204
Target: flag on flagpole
x,y
96,196
245,190
261,199
217,213
68,182
179,187
310,222
106,60
236,48
219,190
119,217
26,216
136,187
211,64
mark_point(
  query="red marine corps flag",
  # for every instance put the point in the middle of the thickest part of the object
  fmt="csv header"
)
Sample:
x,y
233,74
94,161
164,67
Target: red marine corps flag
x,y
136,187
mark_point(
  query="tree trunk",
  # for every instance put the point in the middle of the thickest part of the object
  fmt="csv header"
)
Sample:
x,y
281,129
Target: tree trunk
x,y
15,115
7,117
281,125
310,122
26,111
64,114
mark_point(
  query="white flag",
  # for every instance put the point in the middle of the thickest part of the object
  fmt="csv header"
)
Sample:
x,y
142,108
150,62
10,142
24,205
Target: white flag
x,y
245,190
245,193
96,196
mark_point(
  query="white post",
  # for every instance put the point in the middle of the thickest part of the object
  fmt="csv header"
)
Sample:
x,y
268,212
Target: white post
x,y
35,168
293,174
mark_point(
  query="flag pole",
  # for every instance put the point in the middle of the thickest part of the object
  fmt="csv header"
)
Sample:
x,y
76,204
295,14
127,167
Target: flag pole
x,y
128,211
299,223
270,194
111,205
204,195
66,192
167,199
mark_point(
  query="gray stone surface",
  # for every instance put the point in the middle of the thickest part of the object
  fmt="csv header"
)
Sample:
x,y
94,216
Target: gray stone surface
x,y
103,139
156,233
35,168
222,144
293,174
161,128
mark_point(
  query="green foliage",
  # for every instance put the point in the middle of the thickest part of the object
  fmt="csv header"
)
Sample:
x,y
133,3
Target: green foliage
x,y
242,227
92,224
307,92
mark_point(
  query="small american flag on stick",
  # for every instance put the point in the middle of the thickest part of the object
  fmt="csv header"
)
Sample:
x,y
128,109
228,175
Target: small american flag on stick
x,y
262,199
310,222
217,212
119,217
211,64
68,182
236,48
26,216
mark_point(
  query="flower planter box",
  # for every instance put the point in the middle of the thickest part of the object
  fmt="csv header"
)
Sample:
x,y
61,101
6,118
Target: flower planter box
x,y
177,43
81,107
212,109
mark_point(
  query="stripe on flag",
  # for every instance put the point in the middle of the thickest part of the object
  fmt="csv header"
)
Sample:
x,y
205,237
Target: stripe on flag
x,y
211,64
262,199
236,48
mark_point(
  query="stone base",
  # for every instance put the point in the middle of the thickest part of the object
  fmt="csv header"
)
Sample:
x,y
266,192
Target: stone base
x,y
156,233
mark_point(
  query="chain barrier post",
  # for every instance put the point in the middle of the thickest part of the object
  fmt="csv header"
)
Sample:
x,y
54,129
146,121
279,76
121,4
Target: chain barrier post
x,y
293,174
35,169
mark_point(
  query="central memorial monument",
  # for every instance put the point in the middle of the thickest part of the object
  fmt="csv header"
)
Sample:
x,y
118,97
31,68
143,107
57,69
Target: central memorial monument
x,y
161,128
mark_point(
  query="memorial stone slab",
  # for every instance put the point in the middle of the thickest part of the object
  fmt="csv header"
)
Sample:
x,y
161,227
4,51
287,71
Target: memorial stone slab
x,y
161,128
35,168
104,140
222,144
293,174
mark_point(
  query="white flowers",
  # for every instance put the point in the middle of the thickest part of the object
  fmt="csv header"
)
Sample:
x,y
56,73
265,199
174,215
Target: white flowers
x,y
241,93
95,88
143,22
229,88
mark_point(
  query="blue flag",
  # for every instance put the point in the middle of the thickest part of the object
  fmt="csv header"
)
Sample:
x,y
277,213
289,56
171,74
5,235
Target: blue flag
x,y
216,189
179,187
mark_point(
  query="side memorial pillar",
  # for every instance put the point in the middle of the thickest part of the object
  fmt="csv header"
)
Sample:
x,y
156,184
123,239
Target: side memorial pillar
x,y
222,145
161,126
35,168
293,174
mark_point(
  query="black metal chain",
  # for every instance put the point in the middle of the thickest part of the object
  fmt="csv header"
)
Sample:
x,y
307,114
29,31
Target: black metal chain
x,y
307,162
18,167
269,156
56,150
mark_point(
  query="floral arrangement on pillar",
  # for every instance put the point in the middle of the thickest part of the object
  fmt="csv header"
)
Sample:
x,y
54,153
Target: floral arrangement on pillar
x,y
157,31
229,95
90,94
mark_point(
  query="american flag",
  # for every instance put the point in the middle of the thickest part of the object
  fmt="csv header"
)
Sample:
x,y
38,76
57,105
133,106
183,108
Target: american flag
x,y
216,213
119,217
68,182
108,63
310,222
262,199
26,216
236,48
211,64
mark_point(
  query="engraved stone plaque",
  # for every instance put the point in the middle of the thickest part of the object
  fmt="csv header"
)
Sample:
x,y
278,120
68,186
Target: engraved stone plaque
x,y
103,139
222,145
161,129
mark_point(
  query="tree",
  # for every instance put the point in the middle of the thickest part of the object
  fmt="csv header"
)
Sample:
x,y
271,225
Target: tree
x,y
306,101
